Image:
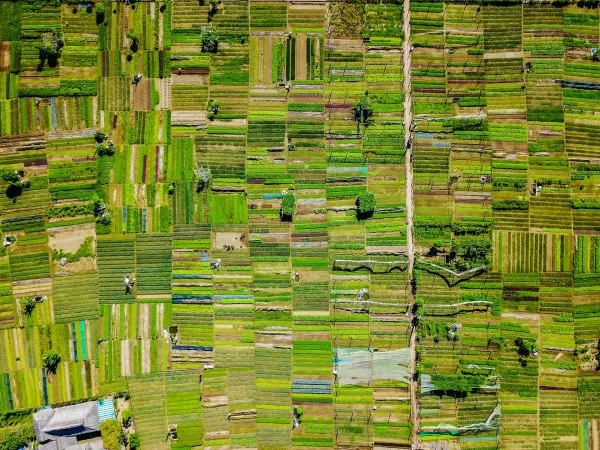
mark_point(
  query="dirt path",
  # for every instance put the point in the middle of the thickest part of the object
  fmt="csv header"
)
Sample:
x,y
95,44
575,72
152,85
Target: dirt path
x,y
414,386
518,315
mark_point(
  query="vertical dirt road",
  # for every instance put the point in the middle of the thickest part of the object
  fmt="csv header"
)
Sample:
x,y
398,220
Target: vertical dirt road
x,y
414,406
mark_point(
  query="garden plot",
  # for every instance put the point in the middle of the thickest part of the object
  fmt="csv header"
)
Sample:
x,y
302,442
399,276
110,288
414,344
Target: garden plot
x,y
149,404
215,406
505,102
7,304
183,393
189,93
75,298
241,386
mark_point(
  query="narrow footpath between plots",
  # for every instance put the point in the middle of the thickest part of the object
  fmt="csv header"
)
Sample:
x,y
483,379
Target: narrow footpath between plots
x,y
414,406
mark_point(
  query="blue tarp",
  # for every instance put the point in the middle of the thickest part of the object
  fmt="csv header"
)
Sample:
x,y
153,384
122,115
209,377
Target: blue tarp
x,y
193,347
21,219
106,409
74,333
83,343
45,387
190,277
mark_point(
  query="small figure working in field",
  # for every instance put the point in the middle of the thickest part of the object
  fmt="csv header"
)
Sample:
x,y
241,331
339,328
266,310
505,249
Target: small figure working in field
x,y
9,240
215,265
99,210
129,283
361,294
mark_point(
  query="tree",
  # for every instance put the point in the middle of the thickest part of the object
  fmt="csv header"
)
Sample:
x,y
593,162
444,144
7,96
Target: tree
x,y
524,347
49,48
100,12
51,360
210,39
126,414
214,6
134,441
363,111
11,176
99,136
29,306
112,434
288,206
15,185
134,41
202,175
366,205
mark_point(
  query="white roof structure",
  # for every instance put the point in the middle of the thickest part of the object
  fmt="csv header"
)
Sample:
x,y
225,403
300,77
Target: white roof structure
x,y
58,428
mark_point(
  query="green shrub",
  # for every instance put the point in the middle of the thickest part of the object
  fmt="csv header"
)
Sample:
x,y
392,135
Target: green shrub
x,y
510,205
16,438
586,203
454,383
84,251
134,441
69,211
102,228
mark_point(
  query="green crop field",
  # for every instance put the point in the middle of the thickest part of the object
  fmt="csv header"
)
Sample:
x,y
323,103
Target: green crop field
x,y
345,224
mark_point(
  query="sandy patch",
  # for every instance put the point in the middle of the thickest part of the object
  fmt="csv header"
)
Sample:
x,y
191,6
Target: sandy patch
x,y
141,95
145,356
184,79
301,73
132,165
267,61
79,72
70,238
235,240
143,320
521,316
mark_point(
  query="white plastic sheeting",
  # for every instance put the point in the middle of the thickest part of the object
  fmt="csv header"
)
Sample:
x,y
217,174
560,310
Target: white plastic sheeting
x,y
363,366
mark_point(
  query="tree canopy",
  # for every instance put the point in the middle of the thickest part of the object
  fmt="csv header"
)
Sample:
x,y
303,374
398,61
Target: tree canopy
x,y
363,111
366,204
112,434
288,205
210,39
51,359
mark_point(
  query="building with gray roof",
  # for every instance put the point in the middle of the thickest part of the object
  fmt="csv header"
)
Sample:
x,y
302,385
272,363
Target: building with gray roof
x,y
60,428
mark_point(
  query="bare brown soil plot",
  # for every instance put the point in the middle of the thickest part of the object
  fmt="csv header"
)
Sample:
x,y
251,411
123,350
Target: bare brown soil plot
x,y
4,56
